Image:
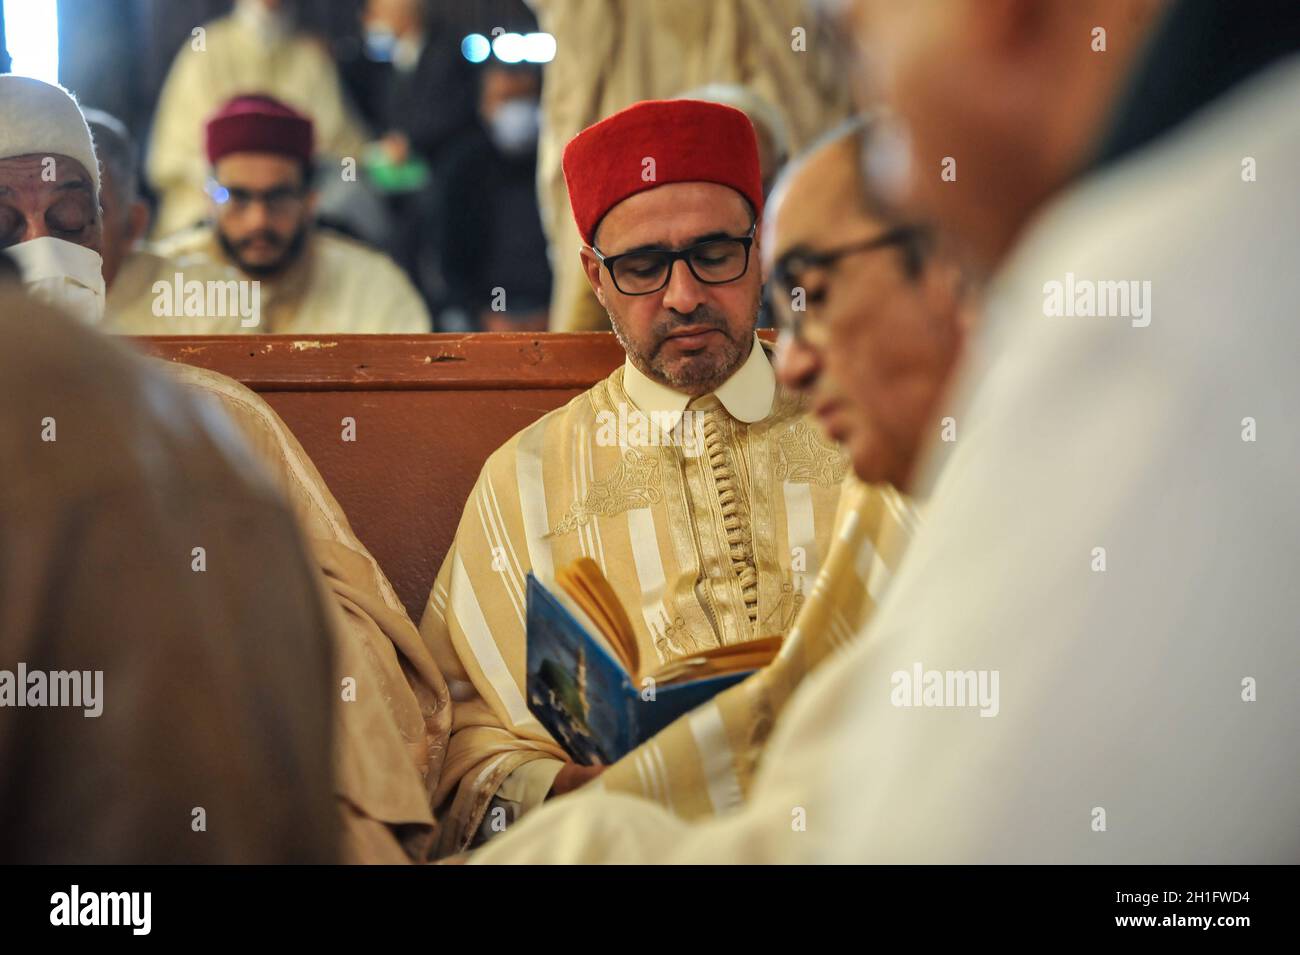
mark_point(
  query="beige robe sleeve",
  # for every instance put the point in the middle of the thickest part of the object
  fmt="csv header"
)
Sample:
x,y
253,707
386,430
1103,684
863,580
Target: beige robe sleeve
x,y
394,710
704,763
474,626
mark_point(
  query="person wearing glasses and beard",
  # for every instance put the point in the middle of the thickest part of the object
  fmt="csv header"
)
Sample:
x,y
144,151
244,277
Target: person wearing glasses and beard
x,y
309,280
872,314
689,475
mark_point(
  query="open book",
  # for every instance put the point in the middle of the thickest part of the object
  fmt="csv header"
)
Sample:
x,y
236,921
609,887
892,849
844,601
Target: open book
x,y
587,683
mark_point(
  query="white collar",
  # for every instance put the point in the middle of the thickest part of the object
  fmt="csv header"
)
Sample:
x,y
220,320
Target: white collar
x,y
747,394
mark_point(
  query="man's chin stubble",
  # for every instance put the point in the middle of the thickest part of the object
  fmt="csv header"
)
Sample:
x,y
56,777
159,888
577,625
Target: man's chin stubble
x,y
289,253
693,382
700,374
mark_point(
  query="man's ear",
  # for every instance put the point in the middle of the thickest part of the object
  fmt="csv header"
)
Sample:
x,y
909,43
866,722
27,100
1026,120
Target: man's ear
x,y
591,268
137,221
313,200
756,252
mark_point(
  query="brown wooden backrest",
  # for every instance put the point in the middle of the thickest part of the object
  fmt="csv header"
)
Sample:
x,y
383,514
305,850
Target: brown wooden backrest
x,y
429,409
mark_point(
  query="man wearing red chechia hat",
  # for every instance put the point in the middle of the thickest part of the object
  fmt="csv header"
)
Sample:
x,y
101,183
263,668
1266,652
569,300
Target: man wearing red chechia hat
x,y
688,475
311,281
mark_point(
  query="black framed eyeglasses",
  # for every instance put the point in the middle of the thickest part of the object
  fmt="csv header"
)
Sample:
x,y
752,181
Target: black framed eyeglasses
x,y
713,262
279,201
789,270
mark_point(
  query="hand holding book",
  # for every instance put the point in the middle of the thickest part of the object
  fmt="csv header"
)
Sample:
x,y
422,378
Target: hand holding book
x,y
587,683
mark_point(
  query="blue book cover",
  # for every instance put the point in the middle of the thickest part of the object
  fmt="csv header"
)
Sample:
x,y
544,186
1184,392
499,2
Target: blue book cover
x,y
584,697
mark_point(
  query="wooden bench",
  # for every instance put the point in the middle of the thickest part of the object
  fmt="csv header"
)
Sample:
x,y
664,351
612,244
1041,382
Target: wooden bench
x,y
429,409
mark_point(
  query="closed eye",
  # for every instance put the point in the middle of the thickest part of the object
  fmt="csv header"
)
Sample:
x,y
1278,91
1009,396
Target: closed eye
x,y
69,216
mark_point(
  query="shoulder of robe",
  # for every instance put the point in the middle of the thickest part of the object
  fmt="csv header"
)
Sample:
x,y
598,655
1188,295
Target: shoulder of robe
x,y
501,462
274,445
192,244
136,276
231,393
339,252
254,418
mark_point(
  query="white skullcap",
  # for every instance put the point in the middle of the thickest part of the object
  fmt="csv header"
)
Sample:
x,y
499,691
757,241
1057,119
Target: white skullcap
x,y
38,117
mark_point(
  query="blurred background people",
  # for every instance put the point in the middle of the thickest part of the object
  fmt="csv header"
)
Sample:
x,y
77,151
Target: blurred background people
x,y
421,94
125,213
392,172
429,98
130,267
631,50
257,47
493,250
260,154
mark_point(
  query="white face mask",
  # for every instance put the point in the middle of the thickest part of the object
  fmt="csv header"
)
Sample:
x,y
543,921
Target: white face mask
x,y
63,274
515,125
380,43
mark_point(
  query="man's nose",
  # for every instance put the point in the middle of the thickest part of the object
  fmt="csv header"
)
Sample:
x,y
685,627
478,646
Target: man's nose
x,y
257,216
36,228
798,364
684,292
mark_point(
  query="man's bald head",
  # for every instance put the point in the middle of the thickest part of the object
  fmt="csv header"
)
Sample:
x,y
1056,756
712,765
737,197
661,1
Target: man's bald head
x,y
879,319
822,193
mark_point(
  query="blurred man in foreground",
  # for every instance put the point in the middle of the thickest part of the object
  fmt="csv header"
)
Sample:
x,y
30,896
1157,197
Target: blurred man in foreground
x,y
165,691
1108,540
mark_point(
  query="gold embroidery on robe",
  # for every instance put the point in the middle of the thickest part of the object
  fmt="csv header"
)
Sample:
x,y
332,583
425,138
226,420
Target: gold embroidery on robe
x,y
698,549
805,457
634,484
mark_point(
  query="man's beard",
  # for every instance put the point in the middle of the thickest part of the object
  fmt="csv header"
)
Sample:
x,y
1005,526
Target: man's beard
x,y
291,252
697,374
